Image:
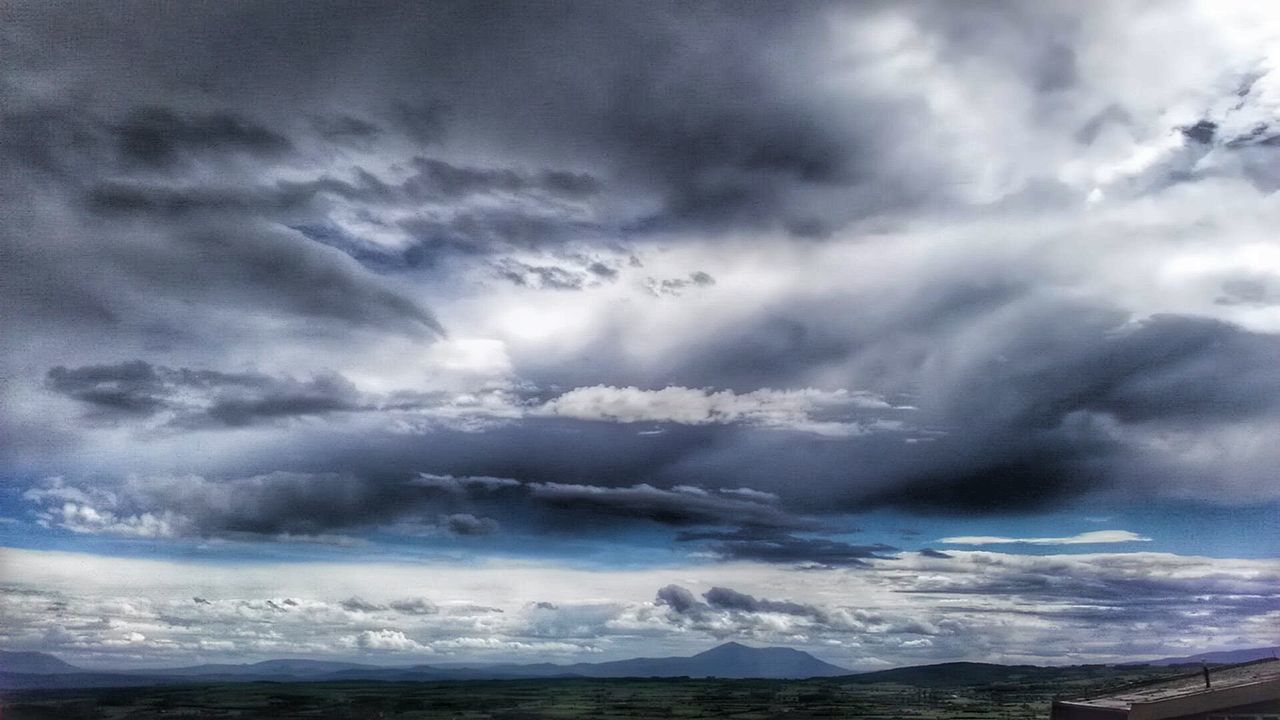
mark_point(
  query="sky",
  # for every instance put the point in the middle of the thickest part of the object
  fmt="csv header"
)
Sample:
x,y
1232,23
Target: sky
x,y
493,331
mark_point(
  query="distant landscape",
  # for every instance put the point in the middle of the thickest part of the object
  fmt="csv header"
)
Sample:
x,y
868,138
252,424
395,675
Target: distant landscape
x,y
731,660
592,359
731,680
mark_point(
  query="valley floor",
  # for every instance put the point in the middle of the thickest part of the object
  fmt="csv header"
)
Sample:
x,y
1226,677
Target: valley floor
x,y
568,699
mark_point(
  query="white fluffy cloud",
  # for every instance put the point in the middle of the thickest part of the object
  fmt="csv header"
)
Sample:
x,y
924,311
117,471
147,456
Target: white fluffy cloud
x,y
385,640
794,409
1085,538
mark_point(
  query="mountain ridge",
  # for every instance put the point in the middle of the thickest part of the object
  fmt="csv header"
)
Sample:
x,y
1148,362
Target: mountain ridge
x,y
731,660
1225,657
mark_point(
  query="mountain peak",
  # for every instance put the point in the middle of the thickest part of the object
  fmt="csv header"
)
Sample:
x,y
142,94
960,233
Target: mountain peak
x,y
34,662
737,648
729,649
733,659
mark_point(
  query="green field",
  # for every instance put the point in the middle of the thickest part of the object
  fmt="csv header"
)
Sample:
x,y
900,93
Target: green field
x,y
1012,697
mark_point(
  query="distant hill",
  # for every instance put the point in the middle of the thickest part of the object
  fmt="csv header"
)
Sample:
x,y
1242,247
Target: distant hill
x,y
730,660
1224,657
272,668
34,662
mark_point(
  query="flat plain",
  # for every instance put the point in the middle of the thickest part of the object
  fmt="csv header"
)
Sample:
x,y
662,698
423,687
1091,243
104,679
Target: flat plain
x,y
955,693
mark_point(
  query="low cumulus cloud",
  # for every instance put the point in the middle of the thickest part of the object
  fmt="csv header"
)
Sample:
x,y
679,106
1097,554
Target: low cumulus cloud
x,y
411,606
385,640
725,612
919,609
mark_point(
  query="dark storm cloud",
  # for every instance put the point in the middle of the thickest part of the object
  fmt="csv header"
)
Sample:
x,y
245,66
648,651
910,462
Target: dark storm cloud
x,y
186,181
414,606
468,525
257,175
440,181
553,452
198,397
1034,422
493,230
678,105
207,262
937,554
1202,132
409,606
674,286
789,344
158,136
584,506
1257,291
783,548
732,166
357,604
196,252
679,506
1112,592
346,128
1165,368
304,204
601,270
373,256
544,276
291,399
729,599
296,506
1049,581
726,606
168,203
423,122
679,599
277,504
131,387
1039,417
434,178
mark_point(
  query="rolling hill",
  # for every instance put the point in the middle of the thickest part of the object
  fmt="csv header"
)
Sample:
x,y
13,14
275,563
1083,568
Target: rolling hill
x,y
1221,656
730,660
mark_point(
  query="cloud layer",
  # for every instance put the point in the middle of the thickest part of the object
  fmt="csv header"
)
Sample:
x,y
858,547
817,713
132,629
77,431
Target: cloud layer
x,y
790,222
710,277
977,605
